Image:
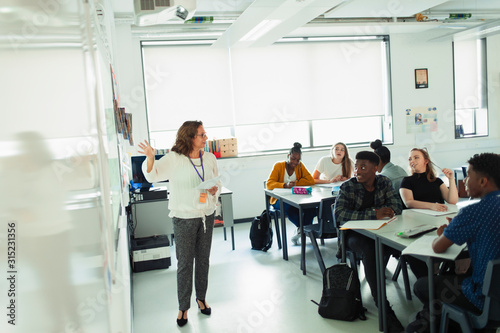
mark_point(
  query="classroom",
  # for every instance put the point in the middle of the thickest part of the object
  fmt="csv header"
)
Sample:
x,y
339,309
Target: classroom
x,y
85,82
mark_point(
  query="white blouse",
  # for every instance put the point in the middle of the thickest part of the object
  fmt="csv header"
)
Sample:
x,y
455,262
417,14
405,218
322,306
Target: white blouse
x,y
184,199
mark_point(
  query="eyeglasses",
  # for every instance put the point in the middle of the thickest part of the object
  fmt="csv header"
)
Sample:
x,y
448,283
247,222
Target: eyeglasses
x,y
202,135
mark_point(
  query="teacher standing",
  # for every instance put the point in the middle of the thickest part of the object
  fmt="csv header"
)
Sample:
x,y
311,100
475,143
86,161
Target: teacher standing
x,y
191,209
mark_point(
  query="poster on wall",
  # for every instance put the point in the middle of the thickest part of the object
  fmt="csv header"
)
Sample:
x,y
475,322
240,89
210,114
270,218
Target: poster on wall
x,y
421,120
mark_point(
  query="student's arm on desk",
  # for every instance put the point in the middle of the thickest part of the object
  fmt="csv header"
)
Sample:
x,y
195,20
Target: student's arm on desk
x,y
306,178
441,244
410,202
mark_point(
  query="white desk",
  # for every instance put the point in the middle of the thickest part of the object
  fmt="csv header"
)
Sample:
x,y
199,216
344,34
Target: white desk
x,y
301,202
387,236
151,216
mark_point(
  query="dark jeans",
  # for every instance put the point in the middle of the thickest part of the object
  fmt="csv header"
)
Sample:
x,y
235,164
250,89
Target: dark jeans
x,y
364,247
293,214
447,289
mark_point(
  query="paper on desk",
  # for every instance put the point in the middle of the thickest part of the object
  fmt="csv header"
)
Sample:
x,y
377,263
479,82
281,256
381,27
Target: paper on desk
x,y
452,209
209,183
330,184
280,190
366,224
423,246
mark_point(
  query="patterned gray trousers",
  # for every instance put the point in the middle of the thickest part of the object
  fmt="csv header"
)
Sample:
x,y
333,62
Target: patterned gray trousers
x,y
192,246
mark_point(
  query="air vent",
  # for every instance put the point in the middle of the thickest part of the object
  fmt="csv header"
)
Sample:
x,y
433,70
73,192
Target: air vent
x,y
162,3
147,5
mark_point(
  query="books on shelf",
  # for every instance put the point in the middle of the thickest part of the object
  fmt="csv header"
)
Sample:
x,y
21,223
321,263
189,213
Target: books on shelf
x,y
222,147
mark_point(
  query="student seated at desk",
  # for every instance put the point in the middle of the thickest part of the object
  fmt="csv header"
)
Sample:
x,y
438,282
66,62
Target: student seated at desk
x,y
386,168
368,196
478,225
423,189
288,174
334,168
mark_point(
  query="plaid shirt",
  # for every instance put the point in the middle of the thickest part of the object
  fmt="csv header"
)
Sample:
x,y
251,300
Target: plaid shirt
x,y
350,198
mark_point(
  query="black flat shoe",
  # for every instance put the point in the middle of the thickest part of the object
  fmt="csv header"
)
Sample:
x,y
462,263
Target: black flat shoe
x,y
206,310
181,322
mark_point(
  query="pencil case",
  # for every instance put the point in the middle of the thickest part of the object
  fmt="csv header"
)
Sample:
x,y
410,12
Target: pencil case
x,y
301,190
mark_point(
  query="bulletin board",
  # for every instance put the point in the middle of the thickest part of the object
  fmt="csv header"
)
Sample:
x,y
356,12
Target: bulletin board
x,y
421,120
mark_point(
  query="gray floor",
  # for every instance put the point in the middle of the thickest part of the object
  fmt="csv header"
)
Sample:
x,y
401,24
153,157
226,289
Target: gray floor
x,y
254,291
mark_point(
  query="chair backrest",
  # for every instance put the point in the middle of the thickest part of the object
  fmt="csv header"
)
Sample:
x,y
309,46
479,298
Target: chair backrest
x,y
327,223
491,290
464,170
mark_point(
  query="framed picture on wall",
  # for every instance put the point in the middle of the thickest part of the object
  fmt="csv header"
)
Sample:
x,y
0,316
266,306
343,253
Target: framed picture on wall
x,y
421,79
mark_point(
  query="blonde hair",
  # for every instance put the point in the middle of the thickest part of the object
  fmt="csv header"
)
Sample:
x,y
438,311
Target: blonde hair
x,y
429,170
346,161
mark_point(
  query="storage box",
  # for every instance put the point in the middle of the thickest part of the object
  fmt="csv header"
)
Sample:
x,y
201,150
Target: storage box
x,y
150,253
228,147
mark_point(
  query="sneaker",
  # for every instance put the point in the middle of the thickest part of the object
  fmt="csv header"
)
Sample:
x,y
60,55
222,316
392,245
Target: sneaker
x,y
419,325
393,323
296,237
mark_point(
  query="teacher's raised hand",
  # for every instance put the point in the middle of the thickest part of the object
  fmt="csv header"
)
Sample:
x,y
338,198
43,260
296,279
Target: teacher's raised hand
x,y
146,149
149,151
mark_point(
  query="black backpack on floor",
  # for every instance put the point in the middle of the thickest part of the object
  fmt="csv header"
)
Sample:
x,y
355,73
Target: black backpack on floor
x,y
261,234
341,297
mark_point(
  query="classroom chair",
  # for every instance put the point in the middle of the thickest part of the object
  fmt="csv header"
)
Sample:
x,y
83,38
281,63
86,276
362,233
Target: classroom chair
x,y
402,266
344,251
347,253
324,229
490,316
274,214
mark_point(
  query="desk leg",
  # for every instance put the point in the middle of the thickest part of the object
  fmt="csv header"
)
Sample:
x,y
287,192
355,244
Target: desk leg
x,y
227,213
232,236
432,310
302,241
283,230
381,291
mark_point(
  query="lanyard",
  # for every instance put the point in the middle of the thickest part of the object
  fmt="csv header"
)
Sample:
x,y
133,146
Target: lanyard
x,y
202,168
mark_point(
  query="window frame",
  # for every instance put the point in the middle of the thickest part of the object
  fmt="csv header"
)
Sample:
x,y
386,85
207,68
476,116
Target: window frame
x,y
483,83
385,120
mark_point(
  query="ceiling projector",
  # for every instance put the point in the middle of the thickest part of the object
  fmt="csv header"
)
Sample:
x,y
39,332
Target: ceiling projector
x,y
153,12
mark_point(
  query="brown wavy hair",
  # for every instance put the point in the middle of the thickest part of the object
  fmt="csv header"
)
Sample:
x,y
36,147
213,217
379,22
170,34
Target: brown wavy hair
x,y
346,161
429,170
185,134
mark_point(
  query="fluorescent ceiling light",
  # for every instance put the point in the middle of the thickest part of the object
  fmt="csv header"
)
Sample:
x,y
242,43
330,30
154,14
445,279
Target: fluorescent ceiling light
x,y
260,29
178,42
328,39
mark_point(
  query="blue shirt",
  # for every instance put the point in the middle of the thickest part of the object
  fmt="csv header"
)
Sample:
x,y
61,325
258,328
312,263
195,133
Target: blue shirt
x,y
479,226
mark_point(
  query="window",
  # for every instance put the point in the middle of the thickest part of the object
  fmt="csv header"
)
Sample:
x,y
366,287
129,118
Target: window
x,y
471,105
316,91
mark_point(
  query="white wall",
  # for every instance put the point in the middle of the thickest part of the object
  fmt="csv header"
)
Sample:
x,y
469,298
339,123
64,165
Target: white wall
x,y
245,175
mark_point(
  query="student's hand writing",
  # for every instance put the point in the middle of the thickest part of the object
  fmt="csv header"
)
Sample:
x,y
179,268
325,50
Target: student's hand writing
x,y
335,179
439,207
146,149
384,212
338,178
